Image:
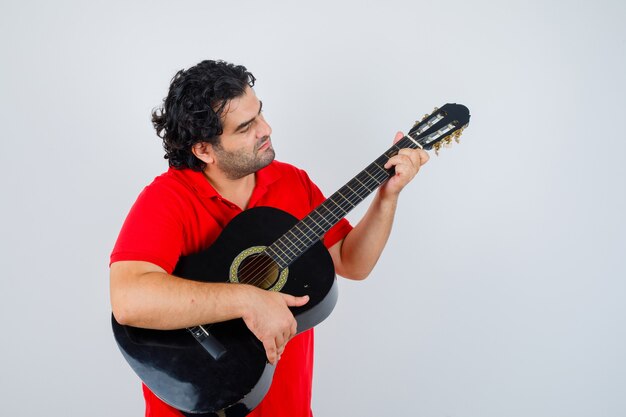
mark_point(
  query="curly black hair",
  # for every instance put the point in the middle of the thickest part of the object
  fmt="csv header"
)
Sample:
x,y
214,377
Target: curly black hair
x,y
193,109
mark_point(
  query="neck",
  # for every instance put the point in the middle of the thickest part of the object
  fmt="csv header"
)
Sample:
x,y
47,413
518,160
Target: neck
x,y
237,191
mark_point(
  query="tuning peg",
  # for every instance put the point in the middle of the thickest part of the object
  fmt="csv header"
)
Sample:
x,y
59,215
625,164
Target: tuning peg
x,y
447,142
437,147
457,135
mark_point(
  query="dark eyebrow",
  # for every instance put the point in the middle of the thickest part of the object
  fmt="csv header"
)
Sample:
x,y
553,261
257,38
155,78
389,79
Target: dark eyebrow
x,y
246,123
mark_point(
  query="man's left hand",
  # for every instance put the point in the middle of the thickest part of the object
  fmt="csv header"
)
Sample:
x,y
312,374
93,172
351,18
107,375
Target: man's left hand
x,y
406,163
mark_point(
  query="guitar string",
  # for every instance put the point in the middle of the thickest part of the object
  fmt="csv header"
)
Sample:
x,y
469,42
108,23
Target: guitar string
x,y
263,265
321,217
293,244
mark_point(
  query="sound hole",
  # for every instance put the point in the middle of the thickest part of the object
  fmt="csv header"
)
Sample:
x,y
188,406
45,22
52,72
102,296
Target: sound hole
x,y
259,270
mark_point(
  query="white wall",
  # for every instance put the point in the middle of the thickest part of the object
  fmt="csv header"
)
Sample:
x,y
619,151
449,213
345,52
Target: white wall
x,y
501,291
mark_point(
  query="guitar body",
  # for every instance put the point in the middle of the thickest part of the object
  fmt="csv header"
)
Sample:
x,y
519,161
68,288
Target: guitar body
x,y
235,376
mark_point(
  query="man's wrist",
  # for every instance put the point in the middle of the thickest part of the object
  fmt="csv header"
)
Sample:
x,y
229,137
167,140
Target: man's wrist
x,y
387,200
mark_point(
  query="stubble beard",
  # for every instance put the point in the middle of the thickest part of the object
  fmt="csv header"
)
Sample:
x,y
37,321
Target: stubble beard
x,y
241,163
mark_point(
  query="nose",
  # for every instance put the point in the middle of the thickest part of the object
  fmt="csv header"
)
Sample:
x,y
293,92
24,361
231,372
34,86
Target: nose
x,y
264,128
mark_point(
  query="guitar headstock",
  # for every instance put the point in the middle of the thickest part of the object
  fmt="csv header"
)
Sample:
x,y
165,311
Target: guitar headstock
x,y
440,127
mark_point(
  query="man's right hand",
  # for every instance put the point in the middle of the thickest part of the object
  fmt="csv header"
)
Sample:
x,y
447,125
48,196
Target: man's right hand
x,y
144,295
268,317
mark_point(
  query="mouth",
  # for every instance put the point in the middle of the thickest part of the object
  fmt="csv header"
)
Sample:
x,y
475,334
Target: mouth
x,y
266,144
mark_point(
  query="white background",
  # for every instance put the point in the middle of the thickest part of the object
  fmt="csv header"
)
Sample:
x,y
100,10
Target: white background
x,y
501,291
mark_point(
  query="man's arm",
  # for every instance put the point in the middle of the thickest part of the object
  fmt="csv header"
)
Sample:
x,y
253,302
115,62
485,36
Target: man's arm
x,y
144,295
356,255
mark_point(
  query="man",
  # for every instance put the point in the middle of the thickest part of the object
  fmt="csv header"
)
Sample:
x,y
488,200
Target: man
x,y
221,159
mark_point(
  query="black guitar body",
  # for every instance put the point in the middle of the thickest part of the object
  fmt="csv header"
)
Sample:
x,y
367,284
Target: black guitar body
x,y
229,370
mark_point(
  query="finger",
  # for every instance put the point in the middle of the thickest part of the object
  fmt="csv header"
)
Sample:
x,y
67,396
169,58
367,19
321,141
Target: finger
x,y
413,155
399,159
294,329
280,341
286,337
295,301
270,350
419,156
291,331
424,157
405,173
399,135
280,347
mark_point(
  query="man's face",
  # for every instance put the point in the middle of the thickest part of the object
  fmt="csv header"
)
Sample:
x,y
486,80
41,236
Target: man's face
x,y
245,145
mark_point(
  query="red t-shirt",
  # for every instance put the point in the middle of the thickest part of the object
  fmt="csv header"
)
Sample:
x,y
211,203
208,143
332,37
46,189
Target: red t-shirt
x,y
180,213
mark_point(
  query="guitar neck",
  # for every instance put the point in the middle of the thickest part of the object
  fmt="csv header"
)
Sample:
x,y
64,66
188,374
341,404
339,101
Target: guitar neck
x,y
314,226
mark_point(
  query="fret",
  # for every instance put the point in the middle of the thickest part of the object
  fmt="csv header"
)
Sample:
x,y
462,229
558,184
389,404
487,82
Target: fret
x,y
353,192
364,186
380,167
344,197
298,238
371,176
283,247
271,252
303,223
350,200
288,247
277,245
310,229
353,195
340,208
370,180
323,206
303,234
393,151
321,218
378,173
282,262
314,226
316,223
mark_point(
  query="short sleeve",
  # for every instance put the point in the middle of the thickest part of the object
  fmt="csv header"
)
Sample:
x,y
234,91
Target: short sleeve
x,y
152,231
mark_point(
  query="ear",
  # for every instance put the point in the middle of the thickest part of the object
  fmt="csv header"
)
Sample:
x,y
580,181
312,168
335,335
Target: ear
x,y
204,152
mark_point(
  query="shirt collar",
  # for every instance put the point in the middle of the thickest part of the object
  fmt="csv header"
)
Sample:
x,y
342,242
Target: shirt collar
x,y
198,182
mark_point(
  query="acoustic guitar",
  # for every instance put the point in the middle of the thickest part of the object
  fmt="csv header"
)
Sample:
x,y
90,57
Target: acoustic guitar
x,y
222,367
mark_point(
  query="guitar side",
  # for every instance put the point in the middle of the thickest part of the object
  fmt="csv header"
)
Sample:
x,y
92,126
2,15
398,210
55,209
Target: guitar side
x,y
180,371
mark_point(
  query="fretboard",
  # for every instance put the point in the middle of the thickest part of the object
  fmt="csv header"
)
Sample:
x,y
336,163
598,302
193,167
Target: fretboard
x,y
314,226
